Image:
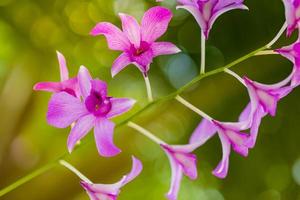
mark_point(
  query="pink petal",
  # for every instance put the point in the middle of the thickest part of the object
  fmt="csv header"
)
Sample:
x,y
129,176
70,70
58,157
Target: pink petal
x,y
164,48
84,80
120,63
104,131
99,86
81,128
64,109
176,178
137,167
120,106
101,191
246,113
131,29
222,169
259,114
48,86
197,15
203,132
116,39
64,73
155,23
222,11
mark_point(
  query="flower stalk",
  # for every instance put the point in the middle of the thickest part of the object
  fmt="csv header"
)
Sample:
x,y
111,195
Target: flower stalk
x,y
276,38
74,170
146,133
148,88
192,107
202,68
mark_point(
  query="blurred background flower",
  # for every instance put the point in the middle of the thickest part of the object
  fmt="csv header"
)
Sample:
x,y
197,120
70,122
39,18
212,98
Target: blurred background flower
x,y
31,31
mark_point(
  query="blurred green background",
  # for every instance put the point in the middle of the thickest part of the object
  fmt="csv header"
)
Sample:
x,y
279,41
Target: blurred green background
x,y
31,31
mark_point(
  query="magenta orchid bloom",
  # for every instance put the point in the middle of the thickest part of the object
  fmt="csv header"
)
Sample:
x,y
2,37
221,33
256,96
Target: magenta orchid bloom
x,y
138,42
182,162
111,191
206,12
181,158
69,85
292,9
231,137
292,53
95,110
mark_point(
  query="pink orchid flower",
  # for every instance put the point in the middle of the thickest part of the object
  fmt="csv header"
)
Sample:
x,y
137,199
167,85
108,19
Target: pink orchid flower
x,y
111,191
69,85
206,12
292,52
231,136
292,9
138,42
182,160
95,110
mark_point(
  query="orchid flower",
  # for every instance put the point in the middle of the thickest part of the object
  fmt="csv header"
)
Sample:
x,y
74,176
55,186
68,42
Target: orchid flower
x,y
95,110
263,100
230,134
66,84
111,191
207,11
292,9
138,42
292,52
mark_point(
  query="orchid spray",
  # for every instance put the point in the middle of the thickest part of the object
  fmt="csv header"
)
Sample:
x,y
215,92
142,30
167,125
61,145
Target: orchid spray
x,y
83,103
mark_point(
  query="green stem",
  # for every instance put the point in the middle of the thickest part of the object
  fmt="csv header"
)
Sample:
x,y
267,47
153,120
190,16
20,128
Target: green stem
x,y
51,165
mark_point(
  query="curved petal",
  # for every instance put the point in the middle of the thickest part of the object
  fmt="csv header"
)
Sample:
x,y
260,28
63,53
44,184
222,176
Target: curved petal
x,y
120,106
81,128
116,39
205,130
100,87
84,81
164,48
101,191
64,109
137,167
120,63
198,17
222,11
64,73
176,171
104,131
246,113
155,23
222,169
131,29
259,114
48,86
290,16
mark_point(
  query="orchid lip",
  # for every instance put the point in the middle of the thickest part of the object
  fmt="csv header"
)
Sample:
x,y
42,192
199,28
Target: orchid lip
x,y
97,104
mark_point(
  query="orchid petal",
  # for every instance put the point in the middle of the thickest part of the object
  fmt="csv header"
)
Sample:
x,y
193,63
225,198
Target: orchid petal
x,y
81,128
104,131
120,63
137,167
99,86
48,86
84,80
164,48
116,39
64,109
64,73
222,169
155,23
120,106
205,130
131,29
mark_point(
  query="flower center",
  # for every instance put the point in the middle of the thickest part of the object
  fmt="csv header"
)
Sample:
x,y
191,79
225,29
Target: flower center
x,y
97,104
144,46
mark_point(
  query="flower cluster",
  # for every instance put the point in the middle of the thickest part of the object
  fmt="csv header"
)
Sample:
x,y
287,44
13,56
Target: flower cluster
x,y
83,103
